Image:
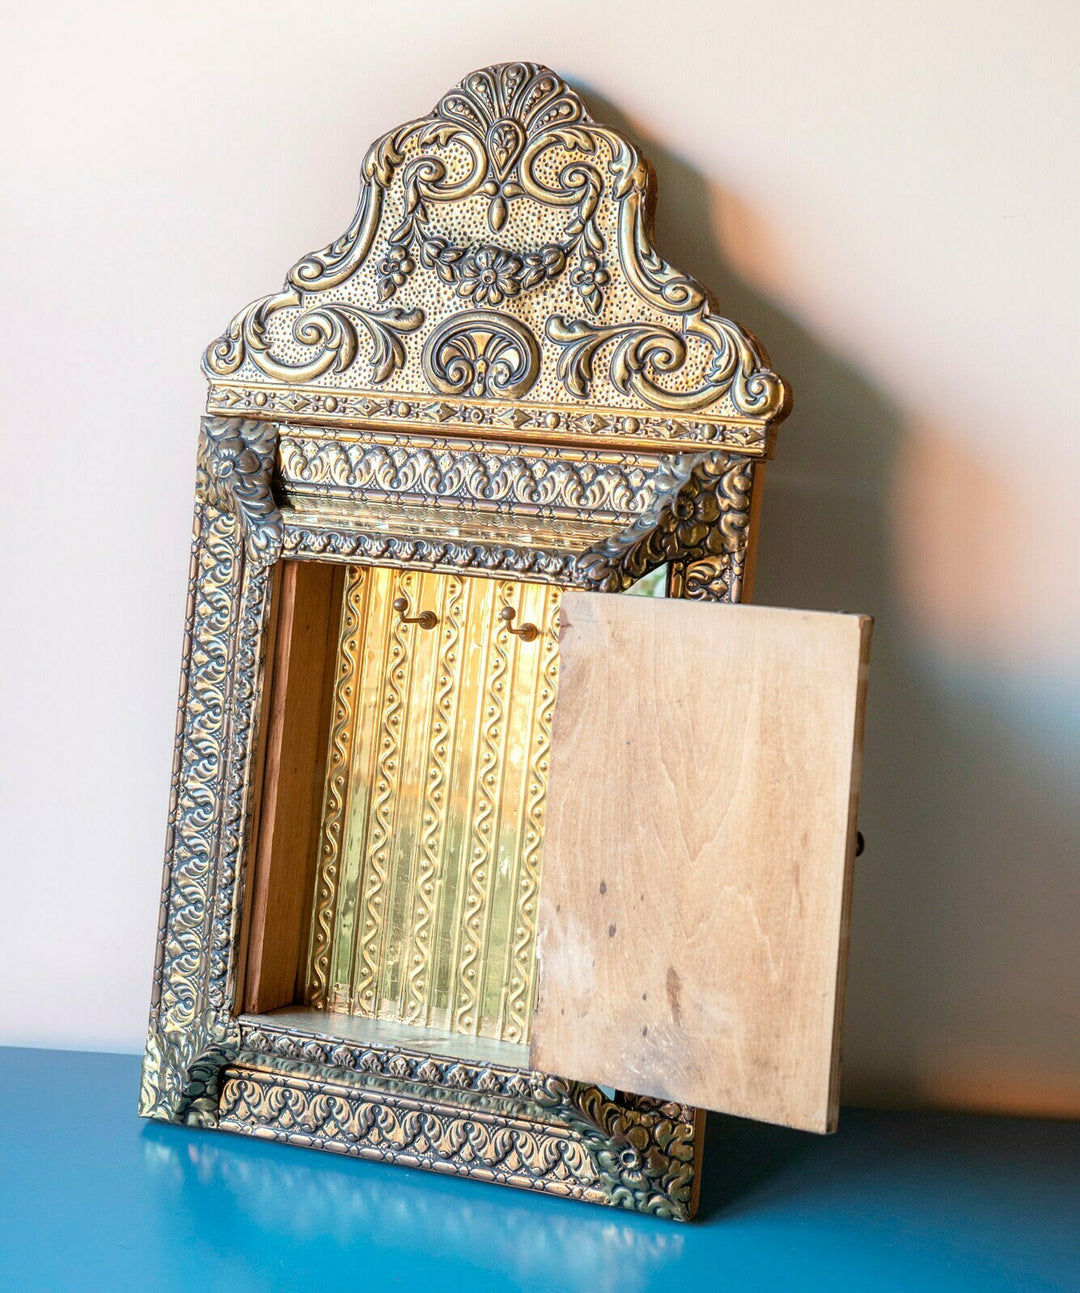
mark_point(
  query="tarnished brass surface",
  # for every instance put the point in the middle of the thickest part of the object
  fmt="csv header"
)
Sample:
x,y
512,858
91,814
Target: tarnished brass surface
x,y
480,1119
500,266
433,820
491,478
701,522
492,375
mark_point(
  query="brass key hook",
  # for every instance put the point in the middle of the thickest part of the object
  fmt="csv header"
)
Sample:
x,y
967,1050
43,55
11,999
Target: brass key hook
x,y
527,632
426,619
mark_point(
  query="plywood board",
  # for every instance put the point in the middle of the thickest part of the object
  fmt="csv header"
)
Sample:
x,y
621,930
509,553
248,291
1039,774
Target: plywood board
x,y
698,851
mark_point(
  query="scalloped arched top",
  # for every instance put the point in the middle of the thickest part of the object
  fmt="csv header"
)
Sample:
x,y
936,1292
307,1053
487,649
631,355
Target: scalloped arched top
x,y
500,273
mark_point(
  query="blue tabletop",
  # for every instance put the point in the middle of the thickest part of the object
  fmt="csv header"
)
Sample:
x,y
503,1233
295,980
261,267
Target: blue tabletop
x,y
95,1198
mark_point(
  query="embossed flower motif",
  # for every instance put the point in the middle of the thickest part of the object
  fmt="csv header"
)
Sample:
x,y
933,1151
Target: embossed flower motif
x,y
628,1166
489,276
692,515
396,266
590,278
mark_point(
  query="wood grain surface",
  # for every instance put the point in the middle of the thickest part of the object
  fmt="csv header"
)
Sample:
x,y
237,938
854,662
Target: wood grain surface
x,y
698,852
300,673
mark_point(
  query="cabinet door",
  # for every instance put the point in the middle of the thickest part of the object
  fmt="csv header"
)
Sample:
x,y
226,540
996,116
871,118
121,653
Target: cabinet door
x,y
698,852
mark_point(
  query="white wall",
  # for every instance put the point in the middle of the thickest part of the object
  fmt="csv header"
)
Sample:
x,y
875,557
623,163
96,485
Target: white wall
x,y
887,193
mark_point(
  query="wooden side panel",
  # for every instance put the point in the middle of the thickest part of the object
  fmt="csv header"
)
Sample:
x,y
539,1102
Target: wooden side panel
x,y
698,852
294,758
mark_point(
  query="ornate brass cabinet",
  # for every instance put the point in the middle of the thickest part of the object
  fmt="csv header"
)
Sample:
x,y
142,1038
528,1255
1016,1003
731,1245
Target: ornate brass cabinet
x,y
489,389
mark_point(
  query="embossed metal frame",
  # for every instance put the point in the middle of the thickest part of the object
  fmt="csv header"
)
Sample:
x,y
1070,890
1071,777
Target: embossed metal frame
x,y
489,446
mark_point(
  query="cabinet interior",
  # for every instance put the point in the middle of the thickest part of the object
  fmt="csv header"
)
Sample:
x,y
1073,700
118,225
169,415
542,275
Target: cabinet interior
x,y
399,825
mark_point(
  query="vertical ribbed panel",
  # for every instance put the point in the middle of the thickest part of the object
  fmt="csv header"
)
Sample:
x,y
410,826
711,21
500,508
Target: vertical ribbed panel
x,y
433,816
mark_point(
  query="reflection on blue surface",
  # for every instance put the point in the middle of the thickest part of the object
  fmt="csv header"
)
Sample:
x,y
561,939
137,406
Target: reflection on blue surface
x,y
96,1199
330,1214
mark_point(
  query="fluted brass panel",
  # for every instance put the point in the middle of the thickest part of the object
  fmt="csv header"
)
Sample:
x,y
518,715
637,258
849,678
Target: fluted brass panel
x,y
433,819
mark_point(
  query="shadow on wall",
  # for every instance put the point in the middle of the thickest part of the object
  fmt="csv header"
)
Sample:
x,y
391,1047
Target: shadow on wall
x,y
962,987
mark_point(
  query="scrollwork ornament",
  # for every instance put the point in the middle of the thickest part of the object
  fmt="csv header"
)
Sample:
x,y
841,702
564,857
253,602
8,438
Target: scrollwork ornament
x,y
328,332
237,533
509,149
716,578
560,1136
699,522
482,354
501,478
644,352
518,137
501,109
374,1121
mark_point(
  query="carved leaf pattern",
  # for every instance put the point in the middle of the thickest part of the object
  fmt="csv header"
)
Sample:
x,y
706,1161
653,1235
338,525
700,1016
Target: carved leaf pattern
x,y
532,1129
622,486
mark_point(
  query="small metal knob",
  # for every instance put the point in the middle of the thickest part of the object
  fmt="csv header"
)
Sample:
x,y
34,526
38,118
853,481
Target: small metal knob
x,y
527,632
426,619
